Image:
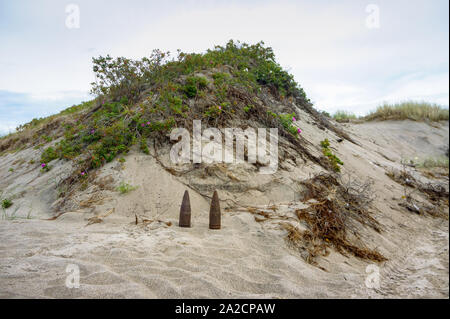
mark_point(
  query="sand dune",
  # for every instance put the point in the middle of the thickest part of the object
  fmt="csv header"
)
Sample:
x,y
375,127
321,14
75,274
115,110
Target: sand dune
x,y
246,258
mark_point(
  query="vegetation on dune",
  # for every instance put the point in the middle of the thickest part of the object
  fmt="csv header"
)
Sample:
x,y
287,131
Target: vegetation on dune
x,y
251,66
431,162
49,155
144,99
138,102
6,203
344,116
40,131
125,188
436,193
428,162
410,110
342,206
332,158
416,111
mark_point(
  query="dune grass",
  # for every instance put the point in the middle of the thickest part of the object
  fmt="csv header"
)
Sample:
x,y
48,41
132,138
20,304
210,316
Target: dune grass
x,y
125,188
344,116
410,110
431,162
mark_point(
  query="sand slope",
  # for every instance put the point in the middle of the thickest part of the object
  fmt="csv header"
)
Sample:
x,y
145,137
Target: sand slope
x,y
157,259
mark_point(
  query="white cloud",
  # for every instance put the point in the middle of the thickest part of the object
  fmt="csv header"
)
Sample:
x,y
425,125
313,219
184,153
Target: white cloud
x,y
432,88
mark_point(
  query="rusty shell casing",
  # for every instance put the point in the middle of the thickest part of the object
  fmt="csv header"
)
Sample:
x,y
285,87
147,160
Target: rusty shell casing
x,y
185,211
214,212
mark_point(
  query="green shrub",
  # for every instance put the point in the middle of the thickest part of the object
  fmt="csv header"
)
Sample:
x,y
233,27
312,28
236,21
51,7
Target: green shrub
x,y
47,138
162,126
213,111
190,90
221,78
91,136
115,122
194,84
287,121
254,65
248,108
69,149
125,78
176,105
118,138
49,155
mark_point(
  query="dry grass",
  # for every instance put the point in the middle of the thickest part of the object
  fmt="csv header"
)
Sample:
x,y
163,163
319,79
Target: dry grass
x,y
99,219
94,200
331,219
35,132
51,127
431,162
437,194
410,110
264,215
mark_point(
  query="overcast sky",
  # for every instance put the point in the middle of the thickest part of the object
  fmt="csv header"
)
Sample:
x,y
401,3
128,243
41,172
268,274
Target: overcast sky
x,y
338,51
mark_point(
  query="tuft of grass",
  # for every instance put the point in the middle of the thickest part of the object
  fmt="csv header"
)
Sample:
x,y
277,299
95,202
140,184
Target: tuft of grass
x,y
431,162
344,116
125,188
6,203
410,110
333,159
434,162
